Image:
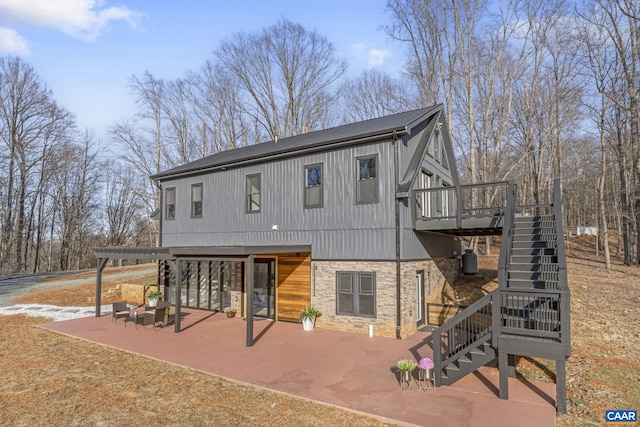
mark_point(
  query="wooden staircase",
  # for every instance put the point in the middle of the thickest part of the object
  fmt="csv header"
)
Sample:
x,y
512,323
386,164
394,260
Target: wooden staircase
x,y
529,313
534,254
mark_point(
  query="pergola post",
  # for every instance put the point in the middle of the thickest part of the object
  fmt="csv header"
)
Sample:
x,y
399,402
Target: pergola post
x,y
178,296
249,288
99,267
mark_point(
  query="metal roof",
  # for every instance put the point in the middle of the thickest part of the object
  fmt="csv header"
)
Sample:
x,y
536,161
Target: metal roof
x,y
367,130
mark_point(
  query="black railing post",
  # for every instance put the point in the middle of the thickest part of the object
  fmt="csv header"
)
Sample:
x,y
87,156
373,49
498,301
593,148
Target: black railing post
x,y
459,206
437,356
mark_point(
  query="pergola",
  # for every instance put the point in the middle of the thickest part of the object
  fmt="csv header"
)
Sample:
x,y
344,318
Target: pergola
x,y
172,256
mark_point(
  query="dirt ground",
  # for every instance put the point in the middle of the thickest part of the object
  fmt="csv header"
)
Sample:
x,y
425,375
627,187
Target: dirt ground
x,y
49,379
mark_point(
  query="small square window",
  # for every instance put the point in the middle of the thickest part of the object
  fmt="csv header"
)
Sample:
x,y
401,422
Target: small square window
x,y
196,201
170,203
313,195
253,193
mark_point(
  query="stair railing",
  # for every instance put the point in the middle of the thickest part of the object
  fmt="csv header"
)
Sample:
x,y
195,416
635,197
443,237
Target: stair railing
x,y
454,338
563,281
505,256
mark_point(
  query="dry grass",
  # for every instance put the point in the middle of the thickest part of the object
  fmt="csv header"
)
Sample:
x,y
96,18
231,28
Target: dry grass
x,y
56,380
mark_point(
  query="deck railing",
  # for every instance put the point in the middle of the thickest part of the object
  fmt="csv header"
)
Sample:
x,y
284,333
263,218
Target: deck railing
x,y
458,202
533,314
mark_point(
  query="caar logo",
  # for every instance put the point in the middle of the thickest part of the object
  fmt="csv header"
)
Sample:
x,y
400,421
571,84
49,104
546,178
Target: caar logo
x,y
620,416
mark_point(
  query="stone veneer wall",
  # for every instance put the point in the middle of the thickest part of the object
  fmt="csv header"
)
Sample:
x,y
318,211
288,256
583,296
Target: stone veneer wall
x,y
324,297
136,293
437,273
323,293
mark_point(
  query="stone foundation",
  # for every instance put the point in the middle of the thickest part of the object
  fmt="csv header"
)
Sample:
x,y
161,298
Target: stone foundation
x,y
323,295
136,293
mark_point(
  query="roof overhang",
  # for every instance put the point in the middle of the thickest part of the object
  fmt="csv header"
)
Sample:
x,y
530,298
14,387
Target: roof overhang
x,y
174,252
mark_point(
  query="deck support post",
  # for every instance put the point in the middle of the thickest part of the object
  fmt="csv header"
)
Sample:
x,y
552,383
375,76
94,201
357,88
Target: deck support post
x,y
561,386
503,367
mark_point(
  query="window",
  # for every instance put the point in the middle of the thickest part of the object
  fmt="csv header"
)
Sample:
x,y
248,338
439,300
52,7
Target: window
x,y
437,147
425,183
356,294
196,201
253,193
441,155
367,184
170,203
313,186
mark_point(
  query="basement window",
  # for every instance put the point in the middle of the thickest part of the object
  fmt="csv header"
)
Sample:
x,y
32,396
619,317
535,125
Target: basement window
x,y
356,293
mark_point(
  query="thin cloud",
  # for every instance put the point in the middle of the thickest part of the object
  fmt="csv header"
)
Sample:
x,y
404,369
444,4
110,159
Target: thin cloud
x,y
12,42
377,57
84,19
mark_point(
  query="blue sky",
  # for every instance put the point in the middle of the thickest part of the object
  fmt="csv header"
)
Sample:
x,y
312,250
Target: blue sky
x,y
86,50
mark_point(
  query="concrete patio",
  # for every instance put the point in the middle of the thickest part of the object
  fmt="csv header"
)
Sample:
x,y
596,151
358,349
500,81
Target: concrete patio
x,y
351,371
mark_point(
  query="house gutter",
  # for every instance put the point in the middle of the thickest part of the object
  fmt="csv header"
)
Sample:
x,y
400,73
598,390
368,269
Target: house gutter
x,y
397,215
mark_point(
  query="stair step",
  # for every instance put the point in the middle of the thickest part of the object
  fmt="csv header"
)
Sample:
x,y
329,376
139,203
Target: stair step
x,y
528,244
549,223
464,359
535,259
533,238
533,217
452,367
533,251
533,268
533,275
532,284
540,227
525,235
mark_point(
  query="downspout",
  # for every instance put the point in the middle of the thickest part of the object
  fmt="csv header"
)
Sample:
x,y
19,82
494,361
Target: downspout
x,y
160,199
397,214
163,279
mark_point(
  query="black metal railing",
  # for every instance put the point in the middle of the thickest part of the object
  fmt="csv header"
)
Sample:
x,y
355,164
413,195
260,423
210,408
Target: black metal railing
x,y
461,202
461,334
533,314
563,280
505,254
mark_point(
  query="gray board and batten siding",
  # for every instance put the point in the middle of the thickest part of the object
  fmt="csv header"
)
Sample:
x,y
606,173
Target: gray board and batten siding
x,y
339,230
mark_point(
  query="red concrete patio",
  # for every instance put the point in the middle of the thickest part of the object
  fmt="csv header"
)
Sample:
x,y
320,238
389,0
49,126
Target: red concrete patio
x,y
347,370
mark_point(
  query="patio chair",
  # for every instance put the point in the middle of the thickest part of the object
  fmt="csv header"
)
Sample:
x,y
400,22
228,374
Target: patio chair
x,y
151,317
119,310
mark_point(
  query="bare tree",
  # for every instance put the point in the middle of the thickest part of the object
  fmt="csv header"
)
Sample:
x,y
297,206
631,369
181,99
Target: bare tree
x,y
77,185
123,206
617,24
375,94
424,26
287,73
598,66
217,107
30,124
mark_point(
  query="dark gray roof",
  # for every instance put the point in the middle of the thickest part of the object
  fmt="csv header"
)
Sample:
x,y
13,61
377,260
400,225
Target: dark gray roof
x,y
369,129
